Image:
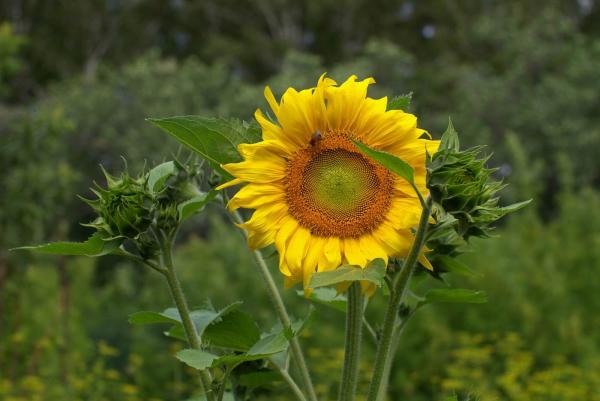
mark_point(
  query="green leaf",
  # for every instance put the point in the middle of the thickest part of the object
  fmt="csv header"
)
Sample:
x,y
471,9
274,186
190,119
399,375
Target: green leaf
x,y
401,102
263,378
94,246
202,318
458,295
159,175
328,297
194,205
453,265
237,330
389,161
374,272
196,358
514,207
449,139
148,317
264,348
215,139
269,345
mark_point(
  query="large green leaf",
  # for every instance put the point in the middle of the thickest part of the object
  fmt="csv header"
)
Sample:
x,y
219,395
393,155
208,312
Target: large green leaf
x,y
389,161
374,272
458,295
202,318
237,330
401,102
215,139
328,297
94,246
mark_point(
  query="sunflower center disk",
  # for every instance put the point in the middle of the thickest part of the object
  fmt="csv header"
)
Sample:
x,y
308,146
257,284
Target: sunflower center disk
x,y
334,190
339,182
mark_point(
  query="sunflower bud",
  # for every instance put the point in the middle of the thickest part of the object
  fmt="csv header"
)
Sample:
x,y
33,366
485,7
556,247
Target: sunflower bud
x,y
124,207
182,185
464,193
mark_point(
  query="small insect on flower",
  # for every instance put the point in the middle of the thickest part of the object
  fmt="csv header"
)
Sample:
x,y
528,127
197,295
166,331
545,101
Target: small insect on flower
x,y
316,196
315,138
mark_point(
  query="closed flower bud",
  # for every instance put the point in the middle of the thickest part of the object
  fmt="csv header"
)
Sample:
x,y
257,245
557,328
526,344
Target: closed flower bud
x,y
124,207
465,195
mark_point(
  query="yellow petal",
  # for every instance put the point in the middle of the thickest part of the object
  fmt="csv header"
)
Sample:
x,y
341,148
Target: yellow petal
x,y
423,260
404,212
228,184
371,248
314,252
395,242
271,100
287,227
353,253
263,225
253,196
297,248
344,103
264,171
331,257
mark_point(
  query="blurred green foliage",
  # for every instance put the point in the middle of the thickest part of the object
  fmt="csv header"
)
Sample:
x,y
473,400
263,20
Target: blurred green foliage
x,y
78,80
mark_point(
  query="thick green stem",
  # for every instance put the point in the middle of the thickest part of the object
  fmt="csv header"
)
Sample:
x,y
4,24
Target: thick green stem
x,y
184,313
354,324
399,287
277,302
390,361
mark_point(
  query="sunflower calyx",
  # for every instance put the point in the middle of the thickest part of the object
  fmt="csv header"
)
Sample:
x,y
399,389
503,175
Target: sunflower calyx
x,y
465,195
124,207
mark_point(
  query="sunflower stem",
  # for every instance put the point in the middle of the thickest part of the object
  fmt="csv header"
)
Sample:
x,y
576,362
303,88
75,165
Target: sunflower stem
x,y
390,362
400,283
283,315
290,381
354,324
184,312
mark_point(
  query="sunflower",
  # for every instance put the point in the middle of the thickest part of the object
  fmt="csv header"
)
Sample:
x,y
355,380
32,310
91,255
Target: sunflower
x,y
317,198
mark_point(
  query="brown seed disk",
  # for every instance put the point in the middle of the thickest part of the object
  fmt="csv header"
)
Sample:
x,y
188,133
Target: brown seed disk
x,y
334,190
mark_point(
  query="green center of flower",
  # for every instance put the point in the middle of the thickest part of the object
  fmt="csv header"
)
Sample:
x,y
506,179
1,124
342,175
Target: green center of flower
x,y
340,181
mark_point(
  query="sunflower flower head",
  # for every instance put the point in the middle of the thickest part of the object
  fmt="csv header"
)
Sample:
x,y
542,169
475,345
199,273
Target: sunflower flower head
x,y
316,197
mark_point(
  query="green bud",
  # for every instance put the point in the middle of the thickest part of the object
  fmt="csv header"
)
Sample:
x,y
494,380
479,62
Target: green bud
x,y
182,185
464,193
124,207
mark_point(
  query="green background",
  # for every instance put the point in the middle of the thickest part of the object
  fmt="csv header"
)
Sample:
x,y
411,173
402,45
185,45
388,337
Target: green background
x,y
78,78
